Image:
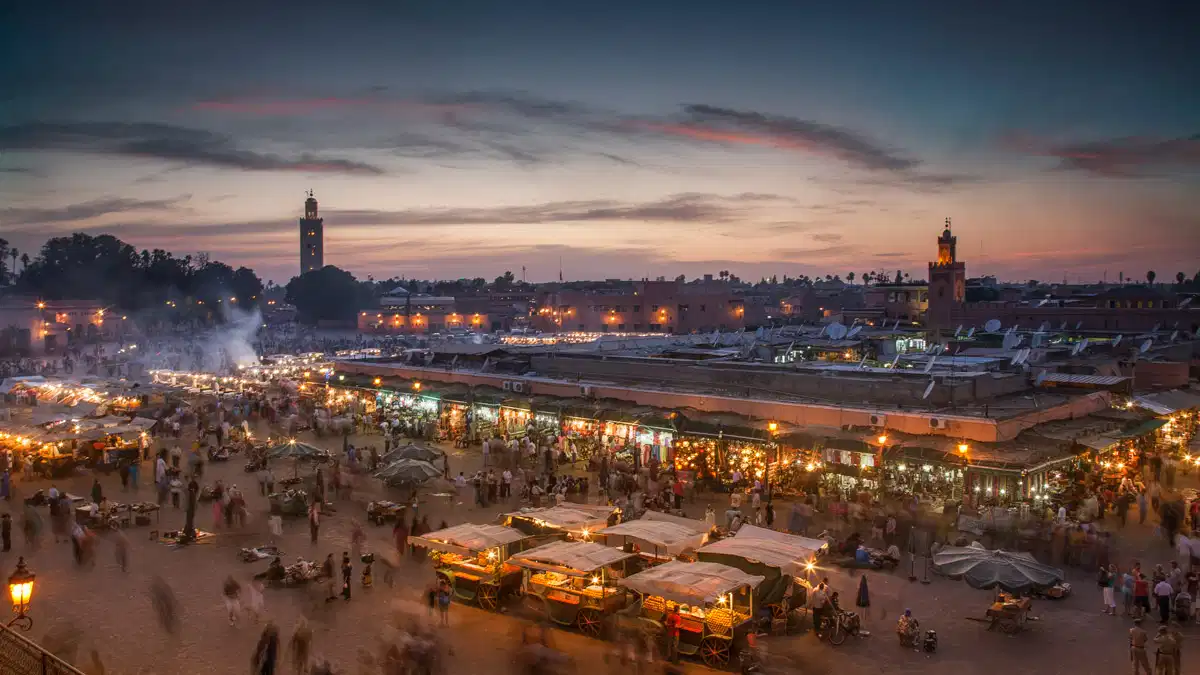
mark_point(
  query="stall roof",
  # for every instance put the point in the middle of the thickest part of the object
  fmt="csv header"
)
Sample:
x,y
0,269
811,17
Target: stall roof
x,y
695,583
1084,380
573,558
1142,429
574,517
655,531
788,552
1168,402
469,538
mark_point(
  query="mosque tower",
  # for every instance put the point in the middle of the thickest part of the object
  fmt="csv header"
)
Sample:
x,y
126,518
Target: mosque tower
x,y
312,237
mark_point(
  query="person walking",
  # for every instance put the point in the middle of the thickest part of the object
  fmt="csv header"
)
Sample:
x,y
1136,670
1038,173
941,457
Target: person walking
x,y
314,521
1166,652
266,653
443,602
347,575
6,532
301,646
231,591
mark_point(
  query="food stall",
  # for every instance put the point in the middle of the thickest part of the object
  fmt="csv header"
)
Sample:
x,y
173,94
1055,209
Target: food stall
x,y
574,583
576,521
474,560
715,604
785,561
657,537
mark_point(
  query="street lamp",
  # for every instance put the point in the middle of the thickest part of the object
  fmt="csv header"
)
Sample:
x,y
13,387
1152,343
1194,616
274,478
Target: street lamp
x,y
20,589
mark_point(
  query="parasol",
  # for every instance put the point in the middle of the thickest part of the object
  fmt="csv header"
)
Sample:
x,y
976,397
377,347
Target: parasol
x,y
412,451
296,450
1012,572
408,472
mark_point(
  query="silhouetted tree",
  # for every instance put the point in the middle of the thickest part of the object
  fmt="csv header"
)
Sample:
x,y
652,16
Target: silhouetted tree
x,y
25,263
850,277
1150,277
327,294
1180,277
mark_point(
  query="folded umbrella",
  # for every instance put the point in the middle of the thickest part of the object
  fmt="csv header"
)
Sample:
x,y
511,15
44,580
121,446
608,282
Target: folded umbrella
x,y
981,568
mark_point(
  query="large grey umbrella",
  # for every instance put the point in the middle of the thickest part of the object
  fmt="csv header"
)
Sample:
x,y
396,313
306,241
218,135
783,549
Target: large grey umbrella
x,y
297,450
408,472
412,451
981,568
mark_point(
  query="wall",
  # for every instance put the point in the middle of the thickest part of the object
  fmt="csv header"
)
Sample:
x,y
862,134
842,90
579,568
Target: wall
x,y
1158,374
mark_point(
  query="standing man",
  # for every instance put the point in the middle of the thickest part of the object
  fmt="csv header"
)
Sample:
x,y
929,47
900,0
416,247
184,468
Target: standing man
x,y
1162,593
314,521
672,623
1137,648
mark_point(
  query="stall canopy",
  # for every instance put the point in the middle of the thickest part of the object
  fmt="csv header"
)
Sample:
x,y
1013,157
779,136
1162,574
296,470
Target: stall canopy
x,y
572,558
580,518
1168,402
981,568
788,552
1147,427
661,532
697,583
468,538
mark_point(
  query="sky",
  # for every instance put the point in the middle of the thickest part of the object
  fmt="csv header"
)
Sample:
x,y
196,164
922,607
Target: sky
x,y
621,139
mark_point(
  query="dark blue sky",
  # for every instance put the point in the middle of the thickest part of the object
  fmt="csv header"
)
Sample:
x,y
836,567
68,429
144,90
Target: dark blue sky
x,y
451,138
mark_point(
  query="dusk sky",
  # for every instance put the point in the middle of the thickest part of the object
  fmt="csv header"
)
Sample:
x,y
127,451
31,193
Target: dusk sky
x,y
630,139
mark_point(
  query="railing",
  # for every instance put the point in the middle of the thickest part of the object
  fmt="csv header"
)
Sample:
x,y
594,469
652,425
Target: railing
x,y
21,656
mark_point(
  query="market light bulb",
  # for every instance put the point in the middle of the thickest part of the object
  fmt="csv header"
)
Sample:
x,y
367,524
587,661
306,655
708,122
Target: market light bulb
x,y
882,439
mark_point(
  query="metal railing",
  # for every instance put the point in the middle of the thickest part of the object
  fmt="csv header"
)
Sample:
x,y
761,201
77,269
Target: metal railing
x,y
21,656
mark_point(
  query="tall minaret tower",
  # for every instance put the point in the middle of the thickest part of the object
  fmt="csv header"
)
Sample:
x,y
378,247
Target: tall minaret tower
x,y
947,283
312,237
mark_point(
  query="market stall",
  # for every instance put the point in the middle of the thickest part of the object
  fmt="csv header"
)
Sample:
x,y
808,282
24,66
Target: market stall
x,y
657,537
575,521
715,604
785,562
574,583
473,559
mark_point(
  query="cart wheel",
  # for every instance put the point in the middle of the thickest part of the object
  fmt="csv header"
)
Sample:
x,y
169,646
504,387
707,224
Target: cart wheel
x,y
837,632
778,612
1009,626
589,622
488,596
715,652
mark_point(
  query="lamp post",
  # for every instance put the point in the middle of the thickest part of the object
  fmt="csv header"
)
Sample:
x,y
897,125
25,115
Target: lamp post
x,y
20,589
772,427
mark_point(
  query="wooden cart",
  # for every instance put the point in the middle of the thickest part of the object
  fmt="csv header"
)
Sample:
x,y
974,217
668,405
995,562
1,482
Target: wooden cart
x,y
1009,614
715,604
573,583
473,559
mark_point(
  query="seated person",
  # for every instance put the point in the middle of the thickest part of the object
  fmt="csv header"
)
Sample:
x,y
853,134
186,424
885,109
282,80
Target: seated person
x,y
275,571
93,510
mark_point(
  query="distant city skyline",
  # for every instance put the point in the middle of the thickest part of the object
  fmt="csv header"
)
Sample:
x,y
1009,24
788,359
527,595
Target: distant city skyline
x,y
463,139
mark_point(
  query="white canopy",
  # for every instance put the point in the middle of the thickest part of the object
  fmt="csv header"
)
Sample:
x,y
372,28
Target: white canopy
x,y
468,538
788,552
662,532
695,583
573,558
573,517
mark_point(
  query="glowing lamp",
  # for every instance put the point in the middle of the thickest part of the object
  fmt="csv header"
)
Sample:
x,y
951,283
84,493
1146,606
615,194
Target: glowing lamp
x,y
882,439
378,381
595,581
416,386
963,447
772,426
20,590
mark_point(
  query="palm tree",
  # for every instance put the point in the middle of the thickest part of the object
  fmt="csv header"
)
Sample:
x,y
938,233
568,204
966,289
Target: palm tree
x,y
14,253
25,263
1150,277
850,276
1179,277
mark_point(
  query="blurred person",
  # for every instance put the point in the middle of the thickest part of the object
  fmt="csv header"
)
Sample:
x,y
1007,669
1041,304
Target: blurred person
x,y
121,550
166,607
300,646
231,592
266,652
255,603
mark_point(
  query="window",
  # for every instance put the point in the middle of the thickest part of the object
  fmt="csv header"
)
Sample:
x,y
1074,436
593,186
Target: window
x,y
653,308
620,326
637,327
683,308
702,308
656,327
637,308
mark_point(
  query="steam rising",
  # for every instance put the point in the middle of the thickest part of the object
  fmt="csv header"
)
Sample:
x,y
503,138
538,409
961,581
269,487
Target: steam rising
x,y
232,344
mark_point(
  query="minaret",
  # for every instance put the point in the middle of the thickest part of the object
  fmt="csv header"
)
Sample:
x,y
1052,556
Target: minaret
x,y
947,282
312,237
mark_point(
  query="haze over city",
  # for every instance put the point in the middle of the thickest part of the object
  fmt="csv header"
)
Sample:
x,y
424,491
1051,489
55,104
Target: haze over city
x,y
626,139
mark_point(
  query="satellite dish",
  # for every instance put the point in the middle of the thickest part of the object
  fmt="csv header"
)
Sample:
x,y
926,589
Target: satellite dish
x,y
1037,340
1075,348
1117,341
1041,377
895,360
929,364
1174,334
1016,358
1156,327
1010,340
992,325
862,364
1083,345
958,331
1186,301
1025,354
896,325
1145,346
837,331
1042,302
928,390
1078,325
854,331
1044,327
971,332
1063,326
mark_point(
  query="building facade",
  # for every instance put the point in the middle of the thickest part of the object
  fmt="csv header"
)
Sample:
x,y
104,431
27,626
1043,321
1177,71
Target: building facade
x,y
312,237
642,307
32,326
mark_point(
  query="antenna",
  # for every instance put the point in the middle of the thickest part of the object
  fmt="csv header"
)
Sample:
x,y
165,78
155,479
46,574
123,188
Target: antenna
x,y
854,331
1063,326
929,364
928,389
1174,335
1078,325
958,331
992,325
862,364
1117,341
837,331
895,361
1145,346
971,333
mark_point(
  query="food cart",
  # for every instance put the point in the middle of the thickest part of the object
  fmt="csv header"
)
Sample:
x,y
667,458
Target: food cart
x,y
657,537
576,521
573,583
474,560
1008,613
715,604
785,561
